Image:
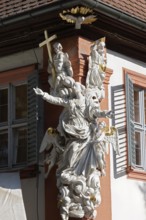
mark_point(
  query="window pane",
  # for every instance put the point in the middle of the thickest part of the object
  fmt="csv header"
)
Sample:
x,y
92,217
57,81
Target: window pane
x,y
21,102
137,148
20,136
3,105
136,106
4,148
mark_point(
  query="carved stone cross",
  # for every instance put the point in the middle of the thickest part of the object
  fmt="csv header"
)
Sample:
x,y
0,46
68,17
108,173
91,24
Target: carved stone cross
x,y
47,43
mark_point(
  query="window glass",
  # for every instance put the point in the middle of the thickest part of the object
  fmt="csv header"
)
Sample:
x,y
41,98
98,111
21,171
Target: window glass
x,y
21,102
18,105
20,136
138,148
3,105
3,148
136,106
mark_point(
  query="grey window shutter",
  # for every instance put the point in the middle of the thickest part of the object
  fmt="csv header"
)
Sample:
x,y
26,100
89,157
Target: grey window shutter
x,y
32,102
130,121
119,121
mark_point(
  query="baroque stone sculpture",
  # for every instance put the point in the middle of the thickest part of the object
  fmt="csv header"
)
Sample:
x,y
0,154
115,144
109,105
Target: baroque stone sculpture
x,y
80,140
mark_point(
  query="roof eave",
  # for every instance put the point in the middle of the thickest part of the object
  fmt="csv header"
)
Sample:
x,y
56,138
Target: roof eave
x,y
115,13
95,5
39,11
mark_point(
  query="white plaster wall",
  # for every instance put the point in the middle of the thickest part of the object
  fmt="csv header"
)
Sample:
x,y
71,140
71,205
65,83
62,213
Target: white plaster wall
x,y
128,199
128,195
117,61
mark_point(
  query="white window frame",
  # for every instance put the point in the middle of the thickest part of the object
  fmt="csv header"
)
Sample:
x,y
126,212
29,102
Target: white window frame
x,y
141,128
133,81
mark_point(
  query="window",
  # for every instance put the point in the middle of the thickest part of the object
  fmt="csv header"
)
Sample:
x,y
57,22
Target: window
x,y
13,124
18,122
136,120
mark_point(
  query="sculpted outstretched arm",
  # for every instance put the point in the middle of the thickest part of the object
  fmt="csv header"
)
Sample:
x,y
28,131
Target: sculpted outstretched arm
x,y
51,99
103,114
97,113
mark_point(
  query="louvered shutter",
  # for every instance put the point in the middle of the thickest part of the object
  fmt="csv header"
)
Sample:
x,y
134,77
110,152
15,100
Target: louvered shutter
x,y
130,121
119,121
32,100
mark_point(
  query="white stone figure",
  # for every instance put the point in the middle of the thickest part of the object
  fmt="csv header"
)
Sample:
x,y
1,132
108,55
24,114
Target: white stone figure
x,y
79,143
100,146
97,66
62,67
103,137
52,140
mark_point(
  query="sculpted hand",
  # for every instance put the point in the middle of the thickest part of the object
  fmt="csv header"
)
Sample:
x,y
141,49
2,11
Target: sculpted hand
x,y
50,64
38,91
109,114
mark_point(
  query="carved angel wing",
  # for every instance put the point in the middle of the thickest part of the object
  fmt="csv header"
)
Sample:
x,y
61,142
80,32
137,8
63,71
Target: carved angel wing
x,y
89,19
112,138
69,18
46,142
51,138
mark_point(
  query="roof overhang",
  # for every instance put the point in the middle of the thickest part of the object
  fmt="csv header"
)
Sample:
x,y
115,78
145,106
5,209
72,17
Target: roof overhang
x,y
121,29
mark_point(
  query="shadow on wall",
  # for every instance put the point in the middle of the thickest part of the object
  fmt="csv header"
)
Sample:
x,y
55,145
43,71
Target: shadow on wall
x,y
143,191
